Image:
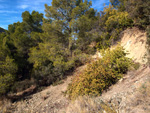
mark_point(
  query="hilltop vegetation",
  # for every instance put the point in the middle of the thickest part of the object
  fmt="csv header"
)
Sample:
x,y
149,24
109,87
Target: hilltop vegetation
x,y
42,50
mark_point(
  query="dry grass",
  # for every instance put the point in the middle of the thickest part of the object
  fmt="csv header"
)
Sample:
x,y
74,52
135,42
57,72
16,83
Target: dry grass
x,y
145,88
6,106
141,101
89,105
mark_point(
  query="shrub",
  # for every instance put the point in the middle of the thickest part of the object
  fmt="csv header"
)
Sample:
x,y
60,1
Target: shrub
x,y
100,74
5,82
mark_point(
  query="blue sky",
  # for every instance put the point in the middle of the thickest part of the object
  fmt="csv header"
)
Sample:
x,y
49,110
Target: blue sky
x,y
11,10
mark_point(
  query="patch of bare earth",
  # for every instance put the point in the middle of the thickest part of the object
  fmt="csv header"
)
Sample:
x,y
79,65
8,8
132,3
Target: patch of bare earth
x,y
134,42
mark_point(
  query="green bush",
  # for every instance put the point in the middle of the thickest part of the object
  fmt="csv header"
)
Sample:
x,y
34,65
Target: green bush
x,y
100,74
5,82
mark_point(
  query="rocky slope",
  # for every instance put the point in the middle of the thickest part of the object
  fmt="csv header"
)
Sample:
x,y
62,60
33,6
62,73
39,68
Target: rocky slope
x,y
130,95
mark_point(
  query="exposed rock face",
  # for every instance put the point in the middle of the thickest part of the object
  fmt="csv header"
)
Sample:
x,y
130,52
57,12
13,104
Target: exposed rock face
x,y
134,42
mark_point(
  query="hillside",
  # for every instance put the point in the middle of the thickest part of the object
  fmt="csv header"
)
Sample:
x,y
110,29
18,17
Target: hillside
x,y
130,94
76,58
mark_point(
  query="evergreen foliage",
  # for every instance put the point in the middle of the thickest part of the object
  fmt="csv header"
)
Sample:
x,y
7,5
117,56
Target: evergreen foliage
x,y
66,25
45,49
139,11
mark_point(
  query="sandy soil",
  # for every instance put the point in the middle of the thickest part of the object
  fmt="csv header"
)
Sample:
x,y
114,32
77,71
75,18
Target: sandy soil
x,y
134,42
132,93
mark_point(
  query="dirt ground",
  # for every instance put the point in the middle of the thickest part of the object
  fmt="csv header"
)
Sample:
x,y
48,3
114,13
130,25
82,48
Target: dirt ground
x,y
132,93
134,42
